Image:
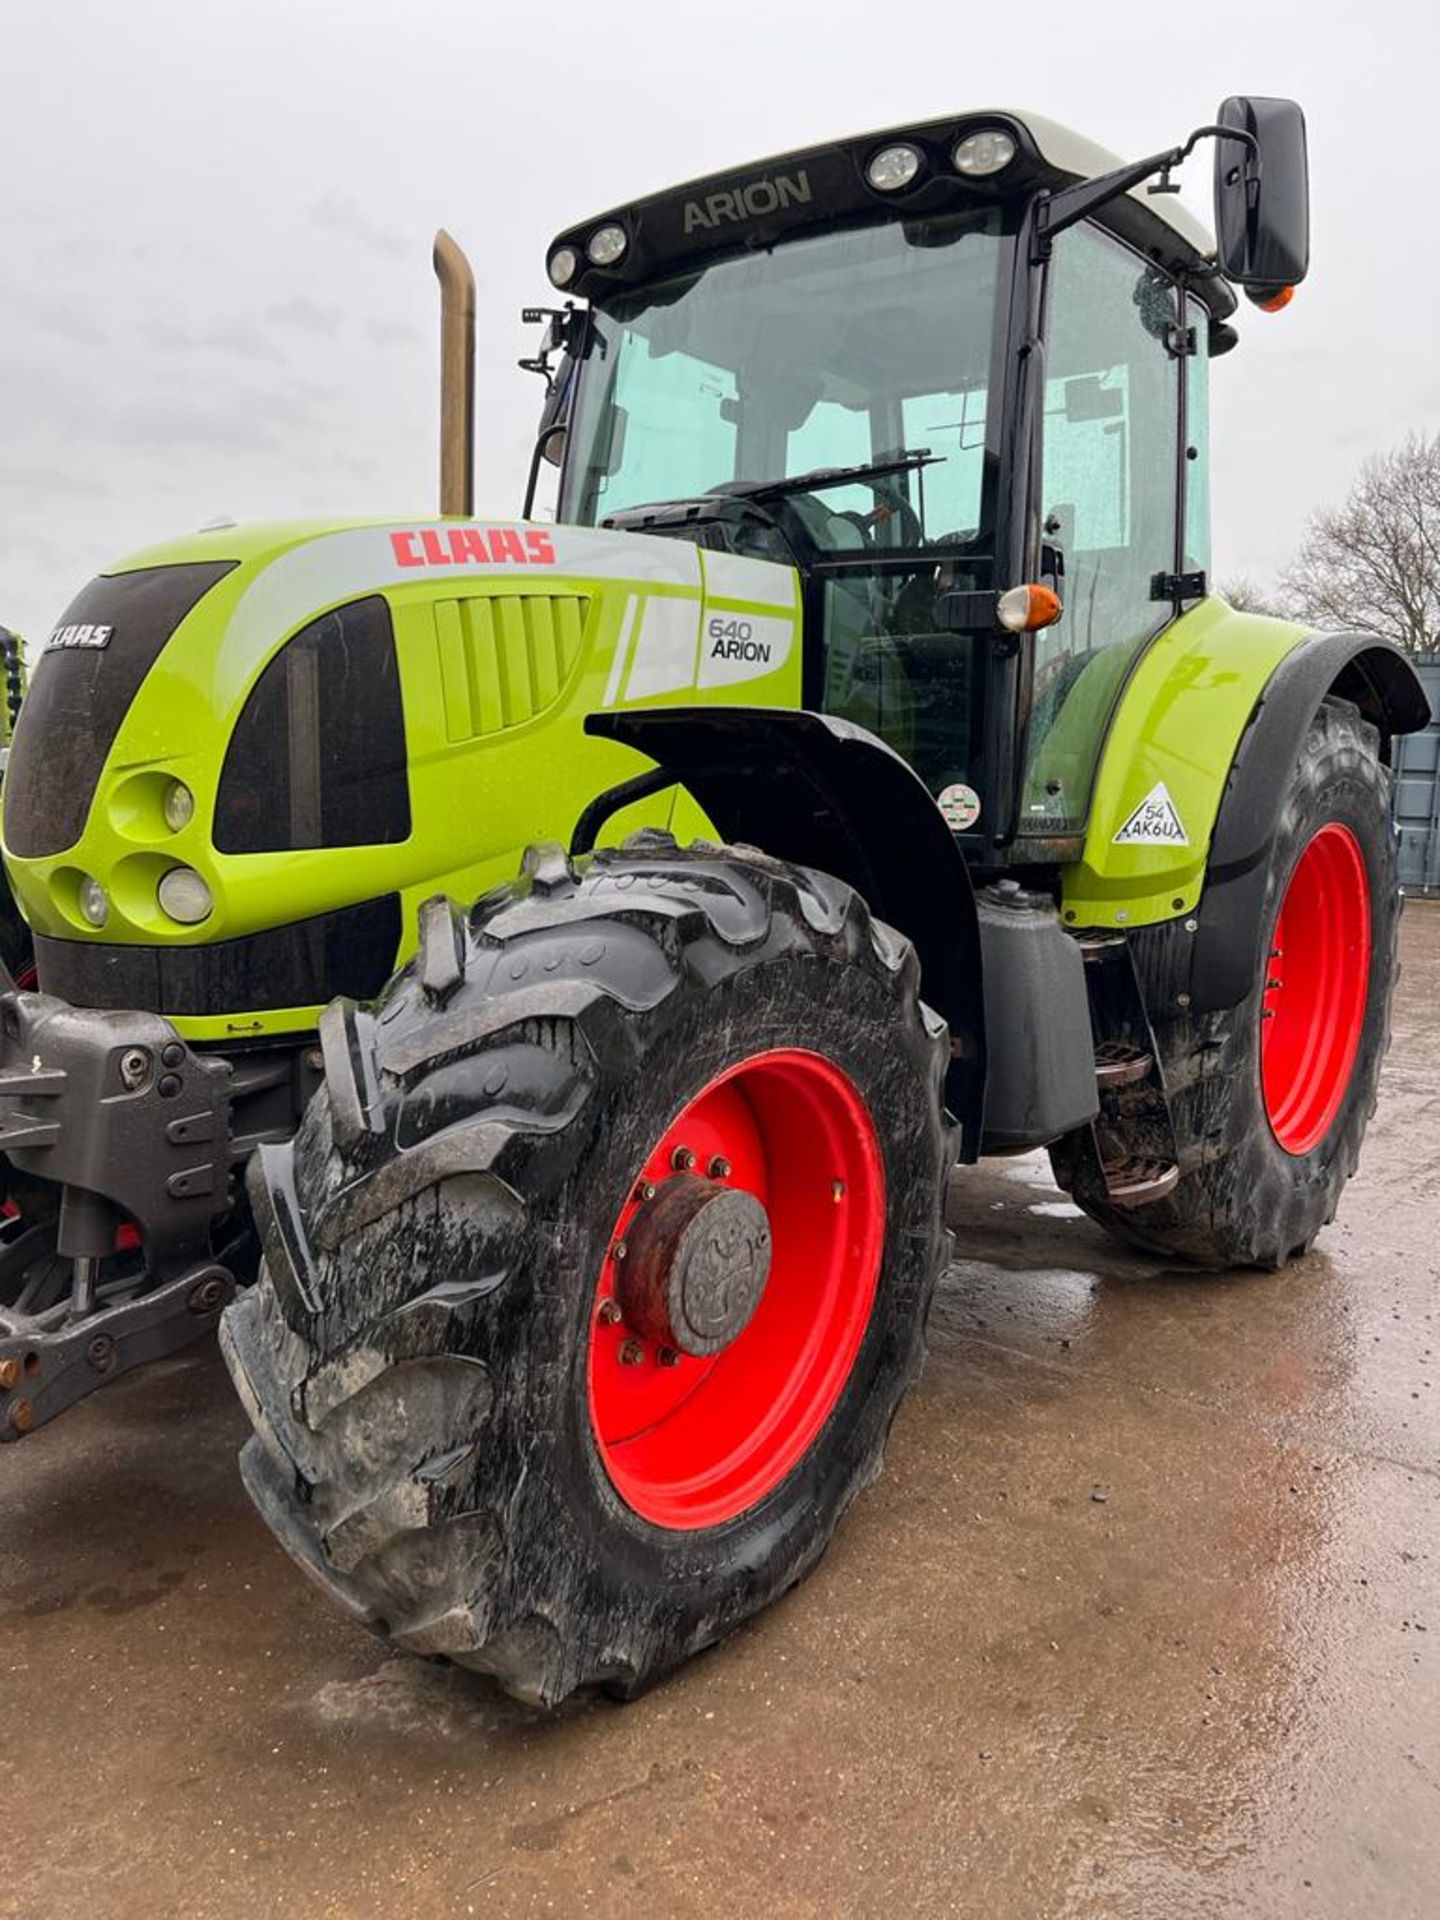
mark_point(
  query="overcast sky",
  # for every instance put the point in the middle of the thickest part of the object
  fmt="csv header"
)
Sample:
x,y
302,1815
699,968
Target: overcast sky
x,y
215,225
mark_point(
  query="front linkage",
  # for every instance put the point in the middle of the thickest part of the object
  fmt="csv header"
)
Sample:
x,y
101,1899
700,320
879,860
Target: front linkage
x,y
139,1136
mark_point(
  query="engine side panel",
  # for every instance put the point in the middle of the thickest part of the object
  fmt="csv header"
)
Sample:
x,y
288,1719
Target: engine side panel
x,y
506,636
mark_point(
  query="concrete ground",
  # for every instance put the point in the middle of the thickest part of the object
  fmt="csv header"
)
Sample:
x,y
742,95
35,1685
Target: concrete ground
x,y
1143,1619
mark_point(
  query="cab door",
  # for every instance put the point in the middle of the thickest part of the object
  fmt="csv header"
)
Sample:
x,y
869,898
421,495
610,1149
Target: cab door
x,y
1109,485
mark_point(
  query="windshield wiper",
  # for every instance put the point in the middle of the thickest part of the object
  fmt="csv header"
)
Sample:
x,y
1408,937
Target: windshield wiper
x,y
823,478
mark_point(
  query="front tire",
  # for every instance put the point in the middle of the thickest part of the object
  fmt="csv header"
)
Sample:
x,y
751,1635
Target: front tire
x,y
472,1429
1270,1099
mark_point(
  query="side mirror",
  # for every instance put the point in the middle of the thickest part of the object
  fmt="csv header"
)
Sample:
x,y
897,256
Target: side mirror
x,y
1262,197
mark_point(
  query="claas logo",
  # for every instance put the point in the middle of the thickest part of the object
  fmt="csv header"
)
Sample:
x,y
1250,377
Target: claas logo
x,y
473,547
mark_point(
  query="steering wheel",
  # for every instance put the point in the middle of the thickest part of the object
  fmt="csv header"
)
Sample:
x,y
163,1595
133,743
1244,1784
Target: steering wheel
x,y
889,505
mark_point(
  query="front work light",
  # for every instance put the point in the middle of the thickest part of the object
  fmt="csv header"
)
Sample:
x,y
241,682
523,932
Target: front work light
x,y
185,896
981,154
563,263
607,245
893,168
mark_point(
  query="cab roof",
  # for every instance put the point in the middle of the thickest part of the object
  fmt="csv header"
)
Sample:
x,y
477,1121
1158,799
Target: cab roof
x,y
769,200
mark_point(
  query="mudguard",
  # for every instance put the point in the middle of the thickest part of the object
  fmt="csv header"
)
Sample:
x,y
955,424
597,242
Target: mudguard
x,y
1217,692
822,792
1225,956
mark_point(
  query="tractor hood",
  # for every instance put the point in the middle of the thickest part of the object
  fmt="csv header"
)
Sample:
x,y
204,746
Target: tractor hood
x,y
318,726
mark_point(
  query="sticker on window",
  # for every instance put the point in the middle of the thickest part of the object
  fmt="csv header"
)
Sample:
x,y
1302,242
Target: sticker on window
x,y
959,807
1154,823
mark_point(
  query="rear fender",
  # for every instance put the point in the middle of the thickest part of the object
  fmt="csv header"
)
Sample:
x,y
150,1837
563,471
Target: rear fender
x,y
1198,752
821,792
1225,955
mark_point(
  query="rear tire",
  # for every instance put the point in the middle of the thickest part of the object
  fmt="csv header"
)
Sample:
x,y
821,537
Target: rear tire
x,y
1266,1142
420,1356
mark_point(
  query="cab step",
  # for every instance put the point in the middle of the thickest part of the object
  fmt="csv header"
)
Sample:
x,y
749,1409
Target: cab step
x,y
1118,1063
1137,1182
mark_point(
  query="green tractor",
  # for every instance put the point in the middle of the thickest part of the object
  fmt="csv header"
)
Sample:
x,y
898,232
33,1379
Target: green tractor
x,y
887,788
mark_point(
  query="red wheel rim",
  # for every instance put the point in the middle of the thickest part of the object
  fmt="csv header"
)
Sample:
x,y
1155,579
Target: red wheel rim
x,y
1316,985
690,1442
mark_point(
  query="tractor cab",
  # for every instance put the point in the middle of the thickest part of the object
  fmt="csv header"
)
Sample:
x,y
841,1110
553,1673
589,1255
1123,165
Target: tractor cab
x,y
926,367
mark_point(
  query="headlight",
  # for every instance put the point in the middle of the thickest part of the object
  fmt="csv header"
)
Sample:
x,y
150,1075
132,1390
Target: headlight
x,y
893,168
979,154
563,263
94,902
185,896
607,245
178,806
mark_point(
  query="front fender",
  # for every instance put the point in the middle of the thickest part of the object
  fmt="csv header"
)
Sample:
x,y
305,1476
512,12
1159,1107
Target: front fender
x,y
822,792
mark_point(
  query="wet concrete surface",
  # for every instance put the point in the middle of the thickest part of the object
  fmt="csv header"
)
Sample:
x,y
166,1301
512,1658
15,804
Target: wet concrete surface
x,y
1143,1619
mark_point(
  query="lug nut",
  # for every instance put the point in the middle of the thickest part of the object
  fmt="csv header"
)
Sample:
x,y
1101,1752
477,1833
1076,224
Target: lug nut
x,y
719,1168
609,1314
619,1250
134,1067
669,1357
9,1375
645,1191
631,1354
22,1416
208,1296
683,1160
100,1354
837,1191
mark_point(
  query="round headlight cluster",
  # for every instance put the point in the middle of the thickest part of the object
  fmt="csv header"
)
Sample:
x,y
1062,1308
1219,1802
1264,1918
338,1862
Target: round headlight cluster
x,y
893,168
185,897
606,247
979,155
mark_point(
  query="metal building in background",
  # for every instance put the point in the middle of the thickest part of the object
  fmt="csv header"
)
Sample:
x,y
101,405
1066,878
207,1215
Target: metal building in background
x,y
1417,794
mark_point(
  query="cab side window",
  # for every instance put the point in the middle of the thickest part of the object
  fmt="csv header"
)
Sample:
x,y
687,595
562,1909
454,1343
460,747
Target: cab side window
x,y
1108,486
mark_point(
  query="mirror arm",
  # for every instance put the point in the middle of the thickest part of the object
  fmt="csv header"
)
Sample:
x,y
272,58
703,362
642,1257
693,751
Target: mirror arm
x,y
533,479
1070,204
568,332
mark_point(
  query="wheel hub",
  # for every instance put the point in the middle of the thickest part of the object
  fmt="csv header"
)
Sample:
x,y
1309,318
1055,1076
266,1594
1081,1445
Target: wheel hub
x,y
697,1256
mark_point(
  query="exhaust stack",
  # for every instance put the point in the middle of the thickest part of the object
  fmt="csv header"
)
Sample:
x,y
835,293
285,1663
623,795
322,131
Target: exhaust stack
x,y
457,377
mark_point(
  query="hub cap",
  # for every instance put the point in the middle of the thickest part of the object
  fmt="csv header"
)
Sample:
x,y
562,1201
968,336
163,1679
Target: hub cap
x,y
1317,982
697,1259
737,1288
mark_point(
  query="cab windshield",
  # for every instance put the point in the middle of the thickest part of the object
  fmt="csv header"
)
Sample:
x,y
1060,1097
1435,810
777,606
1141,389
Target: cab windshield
x,y
850,348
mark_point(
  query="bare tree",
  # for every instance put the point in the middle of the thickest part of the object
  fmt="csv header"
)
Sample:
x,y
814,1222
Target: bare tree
x,y
1375,562
1246,597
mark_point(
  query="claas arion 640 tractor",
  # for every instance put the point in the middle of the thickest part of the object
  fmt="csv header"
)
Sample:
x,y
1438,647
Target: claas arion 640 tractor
x,y
886,787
